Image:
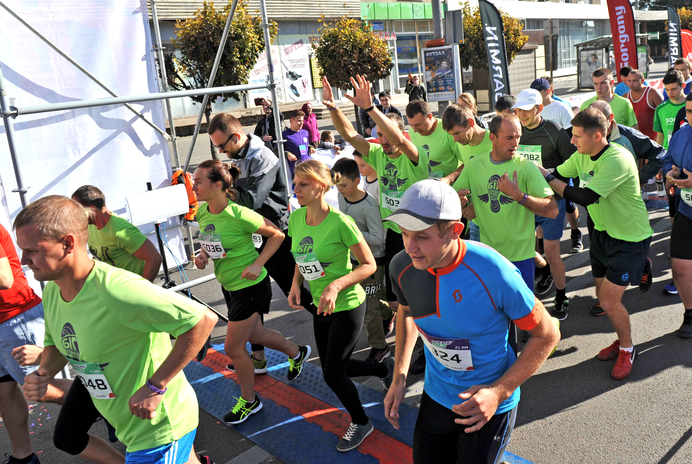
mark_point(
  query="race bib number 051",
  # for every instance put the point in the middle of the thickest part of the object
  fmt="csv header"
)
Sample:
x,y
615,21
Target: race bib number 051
x,y
686,195
309,266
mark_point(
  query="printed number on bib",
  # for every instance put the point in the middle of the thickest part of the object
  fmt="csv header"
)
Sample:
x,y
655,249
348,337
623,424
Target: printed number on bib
x,y
454,354
531,153
391,199
584,180
686,195
93,379
257,240
309,266
212,245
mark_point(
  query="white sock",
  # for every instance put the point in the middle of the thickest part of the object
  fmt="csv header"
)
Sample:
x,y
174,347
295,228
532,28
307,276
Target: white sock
x,y
627,350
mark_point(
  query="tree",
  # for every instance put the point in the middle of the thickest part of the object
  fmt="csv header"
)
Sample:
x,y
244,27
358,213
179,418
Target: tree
x,y
473,49
197,42
685,18
348,47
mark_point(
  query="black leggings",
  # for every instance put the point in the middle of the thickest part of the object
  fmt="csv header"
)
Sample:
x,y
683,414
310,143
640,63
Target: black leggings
x,y
280,268
76,417
336,336
393,244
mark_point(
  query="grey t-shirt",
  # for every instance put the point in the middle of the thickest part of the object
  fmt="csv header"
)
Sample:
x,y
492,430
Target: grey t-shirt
x,y
366,214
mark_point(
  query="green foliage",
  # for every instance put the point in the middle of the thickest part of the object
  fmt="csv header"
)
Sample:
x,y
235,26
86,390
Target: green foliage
x,y
685,18
348,47
473,51
198,40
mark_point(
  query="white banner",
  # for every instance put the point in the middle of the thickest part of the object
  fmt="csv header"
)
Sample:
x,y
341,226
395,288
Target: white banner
x,y
109,147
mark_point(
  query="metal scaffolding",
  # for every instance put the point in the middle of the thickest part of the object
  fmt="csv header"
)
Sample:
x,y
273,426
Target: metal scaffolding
x,y
10,113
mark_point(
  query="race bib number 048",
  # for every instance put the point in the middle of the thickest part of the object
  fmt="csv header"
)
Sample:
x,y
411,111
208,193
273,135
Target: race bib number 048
x,y
93,379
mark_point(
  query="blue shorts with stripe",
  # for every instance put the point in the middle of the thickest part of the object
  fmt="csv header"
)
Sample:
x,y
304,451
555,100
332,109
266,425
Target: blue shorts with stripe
x,y
177,452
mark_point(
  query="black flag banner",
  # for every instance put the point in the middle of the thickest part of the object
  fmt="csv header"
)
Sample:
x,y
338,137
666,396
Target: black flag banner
x,y
494,37
674,36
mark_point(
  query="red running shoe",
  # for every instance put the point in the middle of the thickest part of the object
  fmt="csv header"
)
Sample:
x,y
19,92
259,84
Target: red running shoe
x,y
606,354
623,365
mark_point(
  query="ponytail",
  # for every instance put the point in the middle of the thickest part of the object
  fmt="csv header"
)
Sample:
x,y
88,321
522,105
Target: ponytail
x,y
218,171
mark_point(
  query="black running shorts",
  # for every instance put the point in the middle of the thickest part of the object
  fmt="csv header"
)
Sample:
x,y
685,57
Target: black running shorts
x,y
621,262
680,242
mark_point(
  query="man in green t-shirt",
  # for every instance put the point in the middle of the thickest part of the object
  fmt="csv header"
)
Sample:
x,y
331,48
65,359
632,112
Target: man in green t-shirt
x,y
664,116
622,107
472,140
96,317
505,193
114,240
426,132
609,189
398,162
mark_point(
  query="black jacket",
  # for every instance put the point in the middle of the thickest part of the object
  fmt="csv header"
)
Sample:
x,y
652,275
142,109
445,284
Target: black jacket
x,y
367,121
415,93
265,126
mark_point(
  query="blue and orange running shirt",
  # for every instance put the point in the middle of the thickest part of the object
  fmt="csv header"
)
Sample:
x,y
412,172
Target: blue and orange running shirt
x,y
463,312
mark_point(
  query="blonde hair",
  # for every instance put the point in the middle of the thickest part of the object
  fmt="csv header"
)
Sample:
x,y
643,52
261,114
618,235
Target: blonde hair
x,y
55,217
317,171
466,99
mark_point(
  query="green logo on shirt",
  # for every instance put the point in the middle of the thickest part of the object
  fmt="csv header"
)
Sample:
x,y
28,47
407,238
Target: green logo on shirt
x,y
494,196
68,337
305,246
390,179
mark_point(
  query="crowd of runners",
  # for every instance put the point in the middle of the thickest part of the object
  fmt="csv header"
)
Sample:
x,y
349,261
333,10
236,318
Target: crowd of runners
x,y
447,231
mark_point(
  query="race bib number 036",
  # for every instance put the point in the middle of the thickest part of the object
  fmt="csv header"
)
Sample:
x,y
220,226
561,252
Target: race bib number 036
x,y
454,354
212,245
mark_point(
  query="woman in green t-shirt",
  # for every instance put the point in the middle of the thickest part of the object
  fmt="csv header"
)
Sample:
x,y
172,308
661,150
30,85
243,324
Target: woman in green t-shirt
x,y
226,230
322,240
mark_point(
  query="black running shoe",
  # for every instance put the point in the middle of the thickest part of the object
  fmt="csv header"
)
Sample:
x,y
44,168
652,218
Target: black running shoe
x,y
543,286
596,310
242,410
647,278
295,366
577,245
559,312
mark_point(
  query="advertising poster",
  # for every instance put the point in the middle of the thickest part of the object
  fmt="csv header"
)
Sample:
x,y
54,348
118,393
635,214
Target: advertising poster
x,y
643,59
259,75
590,59
439,73
295,69
316,73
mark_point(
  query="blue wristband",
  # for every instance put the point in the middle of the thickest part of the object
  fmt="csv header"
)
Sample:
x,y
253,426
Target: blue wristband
x,y
153,388
526,195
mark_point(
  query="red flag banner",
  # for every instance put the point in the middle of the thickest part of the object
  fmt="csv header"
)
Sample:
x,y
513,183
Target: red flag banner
x,y
687,43
624,38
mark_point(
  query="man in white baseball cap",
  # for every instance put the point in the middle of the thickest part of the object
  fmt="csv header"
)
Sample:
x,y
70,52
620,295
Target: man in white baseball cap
x,y
460,296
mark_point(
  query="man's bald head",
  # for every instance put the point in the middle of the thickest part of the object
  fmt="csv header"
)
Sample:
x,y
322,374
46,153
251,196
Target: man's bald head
x,y
603,107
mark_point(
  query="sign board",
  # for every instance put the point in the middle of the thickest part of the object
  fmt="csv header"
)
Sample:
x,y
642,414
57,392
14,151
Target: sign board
x,y
316,72
442,78
386,35
590,59
377,25
643,59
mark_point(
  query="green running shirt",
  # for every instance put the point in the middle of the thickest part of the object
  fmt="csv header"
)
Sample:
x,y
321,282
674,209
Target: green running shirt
x,y
230,234
329,243
121,322
442,150
505,225
620,212
115,244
